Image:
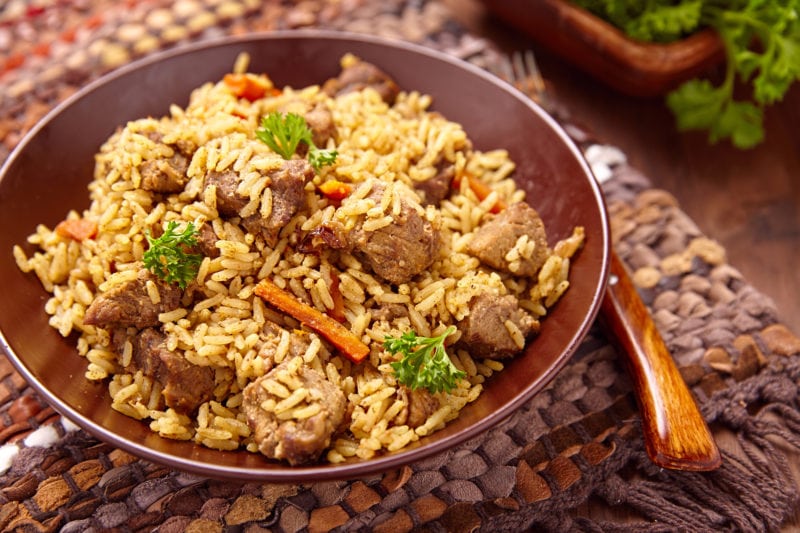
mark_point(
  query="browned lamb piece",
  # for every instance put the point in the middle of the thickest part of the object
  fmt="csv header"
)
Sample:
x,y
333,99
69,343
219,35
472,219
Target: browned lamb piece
x,y
288,197
206,241
287,184
185,385
229,202
320,120
483,331
271,335
494,239
167,175
437,188
401,250
420,405
129,304
358,76
389,312
297,441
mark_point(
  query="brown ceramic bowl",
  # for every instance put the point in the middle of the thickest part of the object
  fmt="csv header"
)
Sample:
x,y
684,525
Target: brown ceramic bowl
x,y
48,172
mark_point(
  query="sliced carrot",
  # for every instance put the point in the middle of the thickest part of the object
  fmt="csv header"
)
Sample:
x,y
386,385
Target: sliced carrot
x,y
341,337
77,229
335,189
248,87
480,189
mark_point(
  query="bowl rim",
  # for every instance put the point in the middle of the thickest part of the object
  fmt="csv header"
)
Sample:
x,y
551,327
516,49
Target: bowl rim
x,y
347,470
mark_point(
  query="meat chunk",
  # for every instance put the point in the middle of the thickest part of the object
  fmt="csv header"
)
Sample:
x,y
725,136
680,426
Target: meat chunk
x,y
295,439
420,404
129,303
493,241
401,250
229,202
358,75
165,175
484,331
320,120
185,147
185,385
207,241
389,312
287,184
288,197
272,334
437,188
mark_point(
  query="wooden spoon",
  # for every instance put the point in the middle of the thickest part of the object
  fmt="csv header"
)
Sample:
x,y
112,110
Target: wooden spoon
x,y
675,434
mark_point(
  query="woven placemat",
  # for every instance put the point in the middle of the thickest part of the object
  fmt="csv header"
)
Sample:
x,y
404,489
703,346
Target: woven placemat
x,y
577,441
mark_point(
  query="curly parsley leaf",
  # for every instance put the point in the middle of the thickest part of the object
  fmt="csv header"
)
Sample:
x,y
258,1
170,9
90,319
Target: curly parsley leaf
x,y
320,158
666,23
425,363
742,122
167,258
284,132
698,105
653,21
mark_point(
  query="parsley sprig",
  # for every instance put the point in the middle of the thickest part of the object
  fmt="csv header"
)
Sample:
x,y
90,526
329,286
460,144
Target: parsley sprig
x,y
284,132
425,363
762,44
167,258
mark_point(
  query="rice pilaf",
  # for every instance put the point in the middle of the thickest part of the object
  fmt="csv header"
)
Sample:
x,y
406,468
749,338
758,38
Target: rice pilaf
x,y
223,330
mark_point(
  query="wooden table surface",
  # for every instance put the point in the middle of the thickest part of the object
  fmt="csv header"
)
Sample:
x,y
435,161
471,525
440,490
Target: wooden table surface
x,y
749,201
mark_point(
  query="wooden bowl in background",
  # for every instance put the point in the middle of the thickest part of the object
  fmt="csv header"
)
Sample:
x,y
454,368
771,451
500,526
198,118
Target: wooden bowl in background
x,y
633,67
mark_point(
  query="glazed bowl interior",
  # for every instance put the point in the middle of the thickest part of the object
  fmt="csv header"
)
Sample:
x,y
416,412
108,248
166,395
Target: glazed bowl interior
x,y
48,173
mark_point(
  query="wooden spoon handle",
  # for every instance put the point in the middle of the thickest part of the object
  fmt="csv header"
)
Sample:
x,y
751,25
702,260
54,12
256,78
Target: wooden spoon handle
x,y
675,434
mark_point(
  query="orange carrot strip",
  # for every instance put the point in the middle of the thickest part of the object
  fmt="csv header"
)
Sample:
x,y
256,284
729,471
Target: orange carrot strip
x,y
335,189
244,86
481,190
341,337
77,229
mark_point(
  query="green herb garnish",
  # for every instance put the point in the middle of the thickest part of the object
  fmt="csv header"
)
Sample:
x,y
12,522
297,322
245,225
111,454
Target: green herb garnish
x,y
167,257
425,363
284,132
320,158
762,44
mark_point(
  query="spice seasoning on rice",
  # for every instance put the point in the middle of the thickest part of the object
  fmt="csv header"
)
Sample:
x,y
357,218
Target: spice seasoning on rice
x,y
304,263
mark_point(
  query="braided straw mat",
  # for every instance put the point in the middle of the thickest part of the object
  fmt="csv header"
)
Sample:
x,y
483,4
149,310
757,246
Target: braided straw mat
x,y
577,440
